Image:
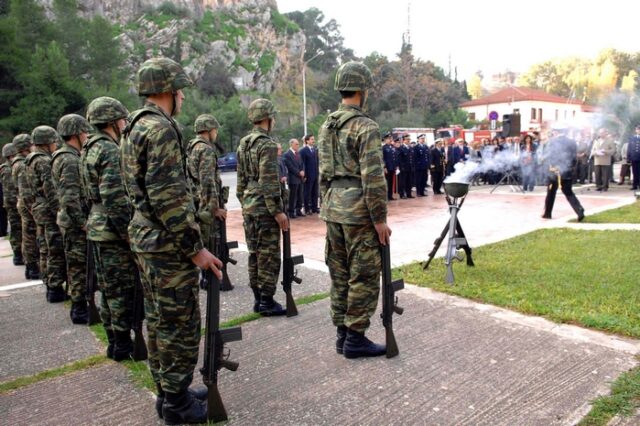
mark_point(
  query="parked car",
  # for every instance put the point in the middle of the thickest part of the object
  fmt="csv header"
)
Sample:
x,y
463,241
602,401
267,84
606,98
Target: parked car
x,y
228,162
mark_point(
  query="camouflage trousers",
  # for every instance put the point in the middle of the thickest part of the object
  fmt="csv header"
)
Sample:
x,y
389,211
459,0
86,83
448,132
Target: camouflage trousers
x,y
53,266
30,251
15,236
262,234
172,310
115,269
353,257
75,251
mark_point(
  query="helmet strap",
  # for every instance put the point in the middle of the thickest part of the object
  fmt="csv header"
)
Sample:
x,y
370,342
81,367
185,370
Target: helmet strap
x,y
173,99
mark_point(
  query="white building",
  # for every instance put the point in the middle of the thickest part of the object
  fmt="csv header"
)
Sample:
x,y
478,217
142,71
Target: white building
x,y
537,108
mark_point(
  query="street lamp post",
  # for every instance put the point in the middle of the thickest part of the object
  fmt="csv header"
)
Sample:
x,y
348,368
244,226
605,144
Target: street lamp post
x,y
304,89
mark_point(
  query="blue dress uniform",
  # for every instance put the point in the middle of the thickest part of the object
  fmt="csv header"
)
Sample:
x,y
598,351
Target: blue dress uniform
x,y
407,169
390,164
421,152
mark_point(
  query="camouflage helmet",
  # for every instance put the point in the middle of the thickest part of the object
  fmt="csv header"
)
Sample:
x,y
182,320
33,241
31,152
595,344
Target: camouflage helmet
x,y
261,109
9,150
22,142
72,125
204,123
105,110
44,135
161,75
353,77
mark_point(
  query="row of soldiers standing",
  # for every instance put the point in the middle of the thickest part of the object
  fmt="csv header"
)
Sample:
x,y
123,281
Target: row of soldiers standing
x,y
406,166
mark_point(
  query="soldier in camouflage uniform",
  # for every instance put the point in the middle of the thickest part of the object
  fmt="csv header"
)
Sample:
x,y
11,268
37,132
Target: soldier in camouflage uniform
x,y
165,238
109,215
72,212
45,207
259,192
202,166
30,252
354,206
10,200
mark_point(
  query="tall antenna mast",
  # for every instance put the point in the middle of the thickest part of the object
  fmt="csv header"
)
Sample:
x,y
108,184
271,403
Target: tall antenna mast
x,y
408,22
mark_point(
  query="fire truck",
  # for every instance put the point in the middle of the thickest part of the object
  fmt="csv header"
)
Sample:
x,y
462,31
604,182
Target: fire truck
x,y
455,131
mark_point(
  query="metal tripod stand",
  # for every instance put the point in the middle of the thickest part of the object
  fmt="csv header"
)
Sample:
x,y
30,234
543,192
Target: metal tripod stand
x,y
457,239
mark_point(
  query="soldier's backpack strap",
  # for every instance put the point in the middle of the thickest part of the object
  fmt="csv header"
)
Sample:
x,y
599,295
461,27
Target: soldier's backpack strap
x,y
33,155
252,138
331,141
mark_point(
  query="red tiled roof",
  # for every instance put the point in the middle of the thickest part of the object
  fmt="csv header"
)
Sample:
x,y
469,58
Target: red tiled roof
x,y
518,94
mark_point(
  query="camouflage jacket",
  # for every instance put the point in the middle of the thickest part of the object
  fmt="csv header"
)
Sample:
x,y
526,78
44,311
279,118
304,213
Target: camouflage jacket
x,y
9,194
38,174
258,186
356,162
110,210
154,170
23,190
202,163
65,170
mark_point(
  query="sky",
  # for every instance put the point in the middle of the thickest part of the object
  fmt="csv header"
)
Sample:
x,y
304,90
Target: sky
x,y
490,36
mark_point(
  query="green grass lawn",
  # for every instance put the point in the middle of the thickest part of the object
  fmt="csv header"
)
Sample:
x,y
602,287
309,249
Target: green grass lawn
x,y
626,214
588,278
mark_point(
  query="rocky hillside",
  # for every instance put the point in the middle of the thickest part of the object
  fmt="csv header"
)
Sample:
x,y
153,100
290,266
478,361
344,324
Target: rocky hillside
x,y
257,45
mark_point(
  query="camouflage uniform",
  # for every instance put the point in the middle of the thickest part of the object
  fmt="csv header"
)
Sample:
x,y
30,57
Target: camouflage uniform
x,y
163,232
260,194
109,215
10,200
202,166
45,207
353,200
72,212
30,251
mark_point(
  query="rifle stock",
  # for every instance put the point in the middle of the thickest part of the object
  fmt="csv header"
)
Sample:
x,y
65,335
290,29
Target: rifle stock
x,y
221,249
91,285
389,301
140,352
289,274
214,357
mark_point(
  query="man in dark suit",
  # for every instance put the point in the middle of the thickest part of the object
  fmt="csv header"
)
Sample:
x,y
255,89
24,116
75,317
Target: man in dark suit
x,y
309,155
436,166
421,151
454,156
295,168
390,165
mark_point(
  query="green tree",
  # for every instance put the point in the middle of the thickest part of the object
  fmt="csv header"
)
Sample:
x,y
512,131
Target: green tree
x,y
104,57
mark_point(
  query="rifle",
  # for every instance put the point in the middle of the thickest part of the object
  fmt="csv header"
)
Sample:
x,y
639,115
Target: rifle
x,y
91,284
289,275
389,301
214,357
139,347
221,249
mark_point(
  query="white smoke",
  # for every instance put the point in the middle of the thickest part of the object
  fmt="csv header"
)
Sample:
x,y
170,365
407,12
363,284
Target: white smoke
x,y
499,162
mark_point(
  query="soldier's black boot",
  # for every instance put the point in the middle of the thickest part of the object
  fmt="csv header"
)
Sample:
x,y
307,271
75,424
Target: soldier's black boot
x,y
55,294
341,335
79,313
111,338
183,408
32,272
256,299
199,392
357,345
18,260
123,347
269,307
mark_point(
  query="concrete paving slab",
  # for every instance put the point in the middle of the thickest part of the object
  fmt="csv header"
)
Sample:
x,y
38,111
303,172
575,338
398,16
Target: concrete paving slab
x,y
239,301
101,395
458,365
38,336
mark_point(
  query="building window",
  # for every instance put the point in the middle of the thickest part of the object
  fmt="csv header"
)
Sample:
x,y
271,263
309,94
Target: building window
x,y
533,114
472,116
574,113
565,114
539,115
557,115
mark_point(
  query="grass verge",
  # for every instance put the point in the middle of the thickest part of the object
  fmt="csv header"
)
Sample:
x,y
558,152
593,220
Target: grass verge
x,y
92,361
579,277
625,214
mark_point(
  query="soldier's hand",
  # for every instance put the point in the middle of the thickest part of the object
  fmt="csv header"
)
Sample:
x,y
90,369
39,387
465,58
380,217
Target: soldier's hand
x,y
221,214
205,260
283,221
384,233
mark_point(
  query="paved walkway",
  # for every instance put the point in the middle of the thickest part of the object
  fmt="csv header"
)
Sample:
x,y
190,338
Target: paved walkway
x,y
460,362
